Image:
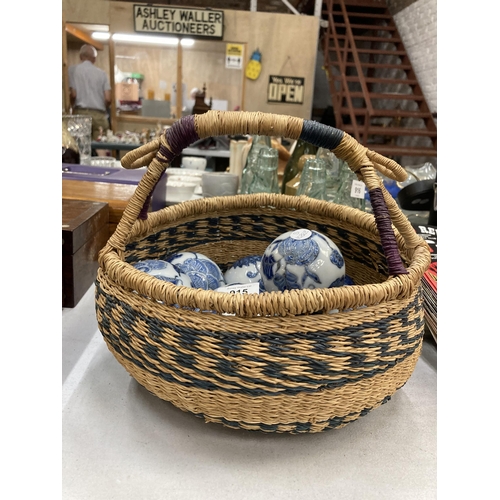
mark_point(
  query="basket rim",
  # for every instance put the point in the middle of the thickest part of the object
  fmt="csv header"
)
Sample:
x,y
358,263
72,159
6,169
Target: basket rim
x,y
289,302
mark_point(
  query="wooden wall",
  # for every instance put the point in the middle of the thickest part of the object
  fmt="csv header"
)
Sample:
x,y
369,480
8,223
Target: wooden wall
x,y
288,43
87,12
204,62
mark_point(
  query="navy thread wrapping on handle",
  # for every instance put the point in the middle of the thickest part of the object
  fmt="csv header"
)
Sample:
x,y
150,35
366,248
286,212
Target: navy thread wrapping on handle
x,y
321,135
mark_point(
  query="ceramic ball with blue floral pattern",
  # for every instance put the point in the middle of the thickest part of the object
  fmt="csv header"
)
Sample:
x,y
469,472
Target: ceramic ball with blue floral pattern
x,y
203,272
163,271
302,259
244,270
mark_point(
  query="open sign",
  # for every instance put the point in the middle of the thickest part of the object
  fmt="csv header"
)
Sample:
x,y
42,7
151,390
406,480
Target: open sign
x,y
289,89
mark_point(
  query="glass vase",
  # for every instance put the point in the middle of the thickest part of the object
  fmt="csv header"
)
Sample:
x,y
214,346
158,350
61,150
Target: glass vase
x,y
80,128
258,142
313,179
265,173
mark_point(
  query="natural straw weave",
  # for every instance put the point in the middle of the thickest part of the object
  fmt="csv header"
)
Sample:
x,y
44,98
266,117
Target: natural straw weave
x,y
295,361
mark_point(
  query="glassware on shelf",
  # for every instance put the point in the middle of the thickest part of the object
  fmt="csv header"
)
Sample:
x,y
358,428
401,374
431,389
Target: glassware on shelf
x,y
265,172
292,185
424,172
70,151
409,180
333,169
344,194
313,179
258,142
291,169
80,128
104,161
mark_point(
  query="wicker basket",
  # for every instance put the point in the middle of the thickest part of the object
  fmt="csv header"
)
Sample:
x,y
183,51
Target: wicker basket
x,y
274,362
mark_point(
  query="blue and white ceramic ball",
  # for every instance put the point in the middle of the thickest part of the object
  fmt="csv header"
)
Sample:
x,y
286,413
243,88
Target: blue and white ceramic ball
x,y
244,270
203,272
302,259
163,271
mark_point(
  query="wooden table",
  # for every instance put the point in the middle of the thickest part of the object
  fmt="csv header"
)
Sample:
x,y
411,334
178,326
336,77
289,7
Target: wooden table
x,y
115,195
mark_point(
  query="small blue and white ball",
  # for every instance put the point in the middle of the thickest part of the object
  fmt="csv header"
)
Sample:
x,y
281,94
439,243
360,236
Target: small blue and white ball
x,y
302,259
244,270
163,271
203,272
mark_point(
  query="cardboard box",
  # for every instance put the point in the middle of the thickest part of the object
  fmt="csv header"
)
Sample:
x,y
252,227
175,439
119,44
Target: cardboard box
x,y
127,91
156,109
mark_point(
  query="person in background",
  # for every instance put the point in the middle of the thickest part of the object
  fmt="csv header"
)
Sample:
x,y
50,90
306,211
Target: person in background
x,y
90,91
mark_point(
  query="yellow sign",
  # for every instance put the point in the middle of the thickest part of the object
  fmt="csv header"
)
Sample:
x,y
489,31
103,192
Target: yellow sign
x,y
234,55
254,66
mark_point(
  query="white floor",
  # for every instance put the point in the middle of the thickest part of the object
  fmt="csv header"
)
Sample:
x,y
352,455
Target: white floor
x,y
121,442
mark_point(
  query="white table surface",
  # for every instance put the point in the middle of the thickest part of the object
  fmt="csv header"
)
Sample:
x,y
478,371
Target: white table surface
x,y
121,442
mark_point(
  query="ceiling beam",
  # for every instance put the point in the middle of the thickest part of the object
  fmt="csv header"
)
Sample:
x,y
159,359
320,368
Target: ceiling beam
x,y
83,35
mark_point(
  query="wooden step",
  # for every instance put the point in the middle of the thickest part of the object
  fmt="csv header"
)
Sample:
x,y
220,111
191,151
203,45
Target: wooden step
x,y
367,27
361,50
380,51
359,17
352,14
391,113
389,81
383,81
369,15
362,38
397,131
404,97
403,67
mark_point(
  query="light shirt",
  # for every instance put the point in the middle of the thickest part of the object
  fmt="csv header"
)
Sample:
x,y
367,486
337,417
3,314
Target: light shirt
x,y
89,83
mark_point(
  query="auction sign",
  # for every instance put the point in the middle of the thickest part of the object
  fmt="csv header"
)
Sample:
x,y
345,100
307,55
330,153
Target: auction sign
x,y
289,89
167,20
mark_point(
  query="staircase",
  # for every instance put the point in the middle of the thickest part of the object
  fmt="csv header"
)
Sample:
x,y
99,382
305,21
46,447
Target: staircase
x,y
375,93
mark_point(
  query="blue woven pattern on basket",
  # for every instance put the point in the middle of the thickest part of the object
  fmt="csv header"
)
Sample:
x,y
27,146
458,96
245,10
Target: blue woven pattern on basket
x,y
254,227
298,427
183,346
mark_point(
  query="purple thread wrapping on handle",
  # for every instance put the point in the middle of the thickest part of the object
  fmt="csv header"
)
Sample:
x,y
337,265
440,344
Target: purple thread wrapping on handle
x,y
180,135
143,215
384,226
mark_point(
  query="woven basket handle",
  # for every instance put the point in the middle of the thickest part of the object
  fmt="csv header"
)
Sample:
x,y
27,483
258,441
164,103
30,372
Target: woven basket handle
x,y
159,153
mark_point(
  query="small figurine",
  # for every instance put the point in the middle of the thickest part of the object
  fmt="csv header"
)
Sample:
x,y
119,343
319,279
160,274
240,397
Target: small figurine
x,y
200,105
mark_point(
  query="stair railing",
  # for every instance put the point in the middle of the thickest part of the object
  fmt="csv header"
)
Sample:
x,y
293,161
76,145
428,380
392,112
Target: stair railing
x,y
355,55
341,62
